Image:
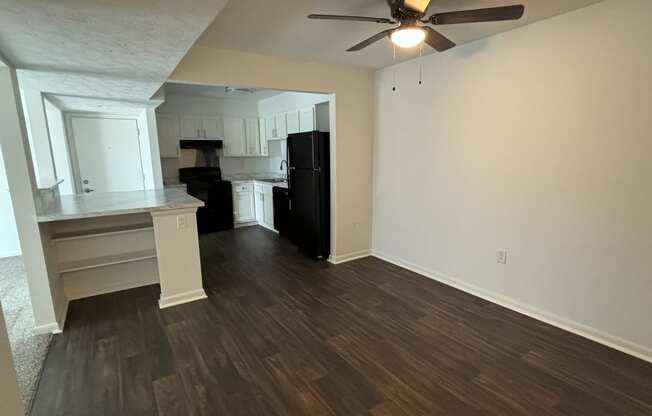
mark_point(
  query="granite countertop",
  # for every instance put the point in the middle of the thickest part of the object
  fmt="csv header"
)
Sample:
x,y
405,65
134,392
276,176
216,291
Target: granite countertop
x,y
68,207
267,178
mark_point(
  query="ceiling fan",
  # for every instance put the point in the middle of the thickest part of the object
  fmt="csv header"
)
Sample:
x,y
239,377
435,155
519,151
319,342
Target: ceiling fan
x,y
412,28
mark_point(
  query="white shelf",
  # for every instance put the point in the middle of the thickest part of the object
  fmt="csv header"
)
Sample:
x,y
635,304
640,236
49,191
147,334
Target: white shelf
x,y
96,262
102,232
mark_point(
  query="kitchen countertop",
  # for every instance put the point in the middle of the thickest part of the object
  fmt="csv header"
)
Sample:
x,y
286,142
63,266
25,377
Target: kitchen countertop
x,y
68,207
256,177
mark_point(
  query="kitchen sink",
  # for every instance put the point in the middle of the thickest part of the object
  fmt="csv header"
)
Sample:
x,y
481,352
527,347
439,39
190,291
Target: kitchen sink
x,y
273,180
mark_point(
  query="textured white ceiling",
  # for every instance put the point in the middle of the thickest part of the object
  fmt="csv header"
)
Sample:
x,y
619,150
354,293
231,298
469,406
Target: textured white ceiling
x,y
281,28
102,48
216,91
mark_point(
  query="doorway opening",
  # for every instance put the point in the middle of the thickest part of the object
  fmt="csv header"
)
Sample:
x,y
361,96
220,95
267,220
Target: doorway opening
x,y
275,148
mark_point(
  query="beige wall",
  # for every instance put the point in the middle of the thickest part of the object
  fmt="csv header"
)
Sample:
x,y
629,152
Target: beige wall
x,y
538,141
354,106
10,403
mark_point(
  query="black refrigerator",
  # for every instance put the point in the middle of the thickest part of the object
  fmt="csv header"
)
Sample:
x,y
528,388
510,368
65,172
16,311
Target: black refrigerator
x,y
309,192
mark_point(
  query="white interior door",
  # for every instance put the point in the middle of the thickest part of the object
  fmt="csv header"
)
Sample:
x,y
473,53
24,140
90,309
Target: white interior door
x,y
108,154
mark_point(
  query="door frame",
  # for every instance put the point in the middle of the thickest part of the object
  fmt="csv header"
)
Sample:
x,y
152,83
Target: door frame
x,y
74,156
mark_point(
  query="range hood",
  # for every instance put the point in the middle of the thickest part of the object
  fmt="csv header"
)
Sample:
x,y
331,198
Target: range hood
x,y
201,144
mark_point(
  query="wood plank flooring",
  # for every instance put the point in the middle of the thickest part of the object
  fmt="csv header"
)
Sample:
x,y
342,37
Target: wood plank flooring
x,y
281,334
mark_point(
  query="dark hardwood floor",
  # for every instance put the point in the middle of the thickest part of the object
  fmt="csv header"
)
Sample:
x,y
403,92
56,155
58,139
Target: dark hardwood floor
x,y
281,334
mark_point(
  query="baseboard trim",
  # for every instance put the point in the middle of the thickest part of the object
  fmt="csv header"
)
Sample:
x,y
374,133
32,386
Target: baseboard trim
x,y
596,335
181,298
349,257
61,319
50,328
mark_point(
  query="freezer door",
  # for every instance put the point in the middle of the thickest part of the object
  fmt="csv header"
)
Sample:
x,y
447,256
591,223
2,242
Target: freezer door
x,y
302,151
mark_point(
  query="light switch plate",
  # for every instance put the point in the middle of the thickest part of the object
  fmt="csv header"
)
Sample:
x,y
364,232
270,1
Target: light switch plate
x,y
501,256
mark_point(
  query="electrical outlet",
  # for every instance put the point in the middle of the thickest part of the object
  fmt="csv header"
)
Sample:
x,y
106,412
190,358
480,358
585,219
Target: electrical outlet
x,y
182,223
501,257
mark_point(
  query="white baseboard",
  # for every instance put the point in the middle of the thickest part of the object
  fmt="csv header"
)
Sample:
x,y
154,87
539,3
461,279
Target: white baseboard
x,y
61,319
181,298
612,341
349,257
51,328
55,327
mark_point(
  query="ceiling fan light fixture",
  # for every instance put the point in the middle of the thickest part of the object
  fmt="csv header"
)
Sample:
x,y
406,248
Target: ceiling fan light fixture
x,y
408,37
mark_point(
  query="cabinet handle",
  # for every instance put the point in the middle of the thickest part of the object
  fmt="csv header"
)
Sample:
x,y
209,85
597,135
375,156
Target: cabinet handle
x,y
198,134
205,133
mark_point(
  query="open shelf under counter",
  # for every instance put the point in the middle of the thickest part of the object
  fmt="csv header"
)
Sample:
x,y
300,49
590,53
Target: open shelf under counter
x,y
105,261
102,232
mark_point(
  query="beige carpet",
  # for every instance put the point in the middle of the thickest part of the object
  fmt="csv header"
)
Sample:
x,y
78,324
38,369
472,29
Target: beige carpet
x,y
28,349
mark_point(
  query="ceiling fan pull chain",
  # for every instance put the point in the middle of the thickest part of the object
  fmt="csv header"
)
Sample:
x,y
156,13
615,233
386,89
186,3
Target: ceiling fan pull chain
x,y
394,69
420,64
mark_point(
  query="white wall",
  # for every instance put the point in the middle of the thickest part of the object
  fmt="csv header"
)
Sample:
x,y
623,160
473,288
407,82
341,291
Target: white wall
x,y
39,139
536,141
59,145
46,292
289,101
9,243
149,149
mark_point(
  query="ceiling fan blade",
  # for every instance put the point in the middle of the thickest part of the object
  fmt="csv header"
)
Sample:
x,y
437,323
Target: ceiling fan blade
x,y
437,41
493,14
351,18
367,42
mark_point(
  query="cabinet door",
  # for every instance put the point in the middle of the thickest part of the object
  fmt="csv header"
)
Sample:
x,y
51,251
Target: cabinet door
x,y
307,119
260,207
252,133
281,126
292,121
268,206
212,128
191,127
234,136
264,151
244,206
270,128
168,135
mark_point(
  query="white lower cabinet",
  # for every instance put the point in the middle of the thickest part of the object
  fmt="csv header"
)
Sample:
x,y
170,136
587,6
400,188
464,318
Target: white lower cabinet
x,y
243,202
254,202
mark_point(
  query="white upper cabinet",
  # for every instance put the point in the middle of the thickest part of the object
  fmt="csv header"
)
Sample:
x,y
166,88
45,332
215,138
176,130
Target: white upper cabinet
x,y
264,151
281,126
201,127
292,120
234,136
252,134
270,127
212,128
191,127
168,135
307,119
